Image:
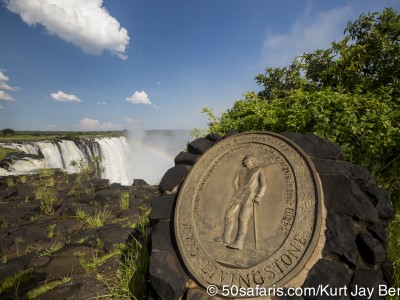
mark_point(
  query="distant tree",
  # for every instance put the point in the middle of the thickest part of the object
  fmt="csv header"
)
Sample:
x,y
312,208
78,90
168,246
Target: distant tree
x,y
8,132
366,59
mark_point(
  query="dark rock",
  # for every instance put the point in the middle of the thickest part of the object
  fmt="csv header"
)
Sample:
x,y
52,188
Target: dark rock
x,y
214,137
363,279
65,261
356,172
327,272
68,227
345,196
230,132
39,261
184,158
109,235
286,296
166,274
15,265
100,184
384,206
379,232
9,193
106,197
162,207
81,287
387,271
340,238
370,248
139,183
115,185
200,294
173,178
199,146
315,146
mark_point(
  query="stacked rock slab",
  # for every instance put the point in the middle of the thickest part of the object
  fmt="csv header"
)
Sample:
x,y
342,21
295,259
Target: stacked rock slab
x,y
351,254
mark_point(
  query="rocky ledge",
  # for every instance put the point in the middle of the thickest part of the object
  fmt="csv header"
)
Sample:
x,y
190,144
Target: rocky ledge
x,y
67,236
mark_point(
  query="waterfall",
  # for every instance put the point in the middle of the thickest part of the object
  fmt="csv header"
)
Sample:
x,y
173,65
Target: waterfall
x,y
113,153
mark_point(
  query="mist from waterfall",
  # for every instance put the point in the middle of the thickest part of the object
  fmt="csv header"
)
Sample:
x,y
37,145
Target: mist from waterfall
x,y
153,152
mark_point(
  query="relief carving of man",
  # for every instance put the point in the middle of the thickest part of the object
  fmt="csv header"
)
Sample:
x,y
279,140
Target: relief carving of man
x,y
249,187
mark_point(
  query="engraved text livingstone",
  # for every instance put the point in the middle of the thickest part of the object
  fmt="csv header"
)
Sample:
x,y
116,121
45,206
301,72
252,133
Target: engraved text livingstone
x,y
249,212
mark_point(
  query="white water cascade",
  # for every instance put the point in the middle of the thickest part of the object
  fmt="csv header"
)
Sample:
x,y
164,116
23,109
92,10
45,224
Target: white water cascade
x,y
113,153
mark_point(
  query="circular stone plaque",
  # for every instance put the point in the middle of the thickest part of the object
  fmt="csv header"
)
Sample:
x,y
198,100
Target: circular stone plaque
x,y
249,212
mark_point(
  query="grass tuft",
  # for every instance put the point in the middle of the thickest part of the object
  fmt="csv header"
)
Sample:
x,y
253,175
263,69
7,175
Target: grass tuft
x,y
47,286
97,220
131,276
124,200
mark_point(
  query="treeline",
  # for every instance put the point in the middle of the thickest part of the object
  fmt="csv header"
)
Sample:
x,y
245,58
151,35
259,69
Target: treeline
x,y
12,135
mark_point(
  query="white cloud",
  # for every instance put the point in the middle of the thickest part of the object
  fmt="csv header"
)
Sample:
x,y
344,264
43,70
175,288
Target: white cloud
x,y
307,34
6,97
63,97
51,127
155,106
5,86
3,76
87,123
101,103
85,23
1,107
108,126
139,98
92,124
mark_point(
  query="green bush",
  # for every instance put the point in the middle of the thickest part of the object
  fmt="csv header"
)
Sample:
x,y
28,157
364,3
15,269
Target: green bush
x,y
348,94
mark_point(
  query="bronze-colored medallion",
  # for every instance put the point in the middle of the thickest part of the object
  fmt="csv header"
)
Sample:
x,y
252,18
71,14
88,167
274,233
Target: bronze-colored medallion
x,y
249,212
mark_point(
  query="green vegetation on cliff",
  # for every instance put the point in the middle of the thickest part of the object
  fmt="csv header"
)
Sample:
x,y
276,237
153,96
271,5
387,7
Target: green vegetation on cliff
x,y
9,135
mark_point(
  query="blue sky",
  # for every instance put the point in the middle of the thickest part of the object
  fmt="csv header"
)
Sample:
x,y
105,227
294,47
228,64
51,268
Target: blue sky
x,y
109,65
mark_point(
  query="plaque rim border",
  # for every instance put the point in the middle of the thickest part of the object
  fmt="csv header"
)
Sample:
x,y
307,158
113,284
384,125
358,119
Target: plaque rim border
x,y
317,221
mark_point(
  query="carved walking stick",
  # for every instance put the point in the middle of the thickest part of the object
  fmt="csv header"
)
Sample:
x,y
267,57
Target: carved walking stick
x,y
255,224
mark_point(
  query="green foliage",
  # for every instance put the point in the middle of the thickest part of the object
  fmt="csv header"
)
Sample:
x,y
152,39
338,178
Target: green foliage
x,y
5,151
13,282
364,125
8,132
47,286
10,182
50,230
54,248
97,220
348,93
131,276
56,135
124,200
47,197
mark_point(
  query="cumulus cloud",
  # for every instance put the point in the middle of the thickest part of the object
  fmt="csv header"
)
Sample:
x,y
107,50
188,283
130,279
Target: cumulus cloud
x,y
92,124
6,87
6,97
63,97
3,76
85,23
87,123
101,103
307,33
139,98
